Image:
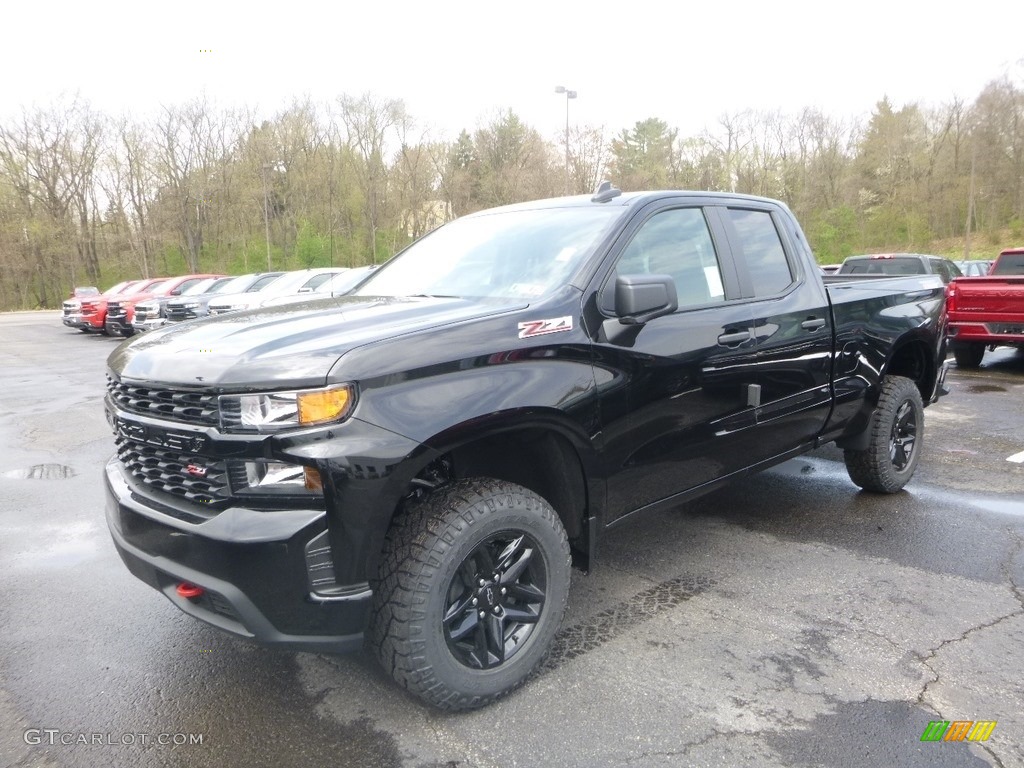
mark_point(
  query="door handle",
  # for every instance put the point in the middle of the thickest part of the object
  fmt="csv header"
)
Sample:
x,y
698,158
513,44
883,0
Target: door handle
x,y
813,323
733,337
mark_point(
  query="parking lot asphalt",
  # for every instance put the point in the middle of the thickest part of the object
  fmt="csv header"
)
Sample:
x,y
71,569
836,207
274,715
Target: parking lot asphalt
x,y
789,620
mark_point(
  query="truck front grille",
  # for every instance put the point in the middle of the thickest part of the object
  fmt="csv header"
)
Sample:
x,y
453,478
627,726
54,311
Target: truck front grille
x,y
176,314
173,405
114,309
193,478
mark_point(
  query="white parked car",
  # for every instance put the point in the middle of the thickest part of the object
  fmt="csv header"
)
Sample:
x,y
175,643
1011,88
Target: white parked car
x,y
301,281
336,285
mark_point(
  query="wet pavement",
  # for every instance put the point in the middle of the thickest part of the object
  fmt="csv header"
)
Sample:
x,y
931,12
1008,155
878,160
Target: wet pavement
x,y
787,621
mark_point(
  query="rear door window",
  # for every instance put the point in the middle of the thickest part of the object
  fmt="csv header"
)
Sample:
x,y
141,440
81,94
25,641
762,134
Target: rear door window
x,y
769,269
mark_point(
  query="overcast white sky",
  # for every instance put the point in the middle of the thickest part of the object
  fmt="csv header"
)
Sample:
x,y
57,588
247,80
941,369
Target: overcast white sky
x,y
456,64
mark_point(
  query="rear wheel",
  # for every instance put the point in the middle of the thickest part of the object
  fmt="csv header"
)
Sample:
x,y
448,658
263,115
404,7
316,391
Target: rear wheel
x,y
472,588
968,354
896,439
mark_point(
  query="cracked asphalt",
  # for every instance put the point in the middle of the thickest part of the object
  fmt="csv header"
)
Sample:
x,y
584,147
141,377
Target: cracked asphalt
x,y
787,621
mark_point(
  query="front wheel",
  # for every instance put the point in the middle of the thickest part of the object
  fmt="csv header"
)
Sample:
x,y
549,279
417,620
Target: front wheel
x,y
896,439
472,588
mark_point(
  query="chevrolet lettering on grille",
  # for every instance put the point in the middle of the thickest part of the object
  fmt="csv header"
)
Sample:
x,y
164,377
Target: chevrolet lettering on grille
x,y
159,437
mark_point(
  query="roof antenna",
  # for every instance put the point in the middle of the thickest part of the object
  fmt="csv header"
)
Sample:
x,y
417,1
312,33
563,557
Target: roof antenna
x,y
605,192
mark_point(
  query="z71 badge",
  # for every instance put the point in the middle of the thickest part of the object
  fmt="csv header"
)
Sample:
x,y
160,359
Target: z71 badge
x,y
532,328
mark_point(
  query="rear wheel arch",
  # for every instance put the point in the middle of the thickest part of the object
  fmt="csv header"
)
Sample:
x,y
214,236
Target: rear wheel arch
x,y
913,359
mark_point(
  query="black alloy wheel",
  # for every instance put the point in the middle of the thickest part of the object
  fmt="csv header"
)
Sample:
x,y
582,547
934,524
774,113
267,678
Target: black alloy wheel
x,y
472,586
495,600
903,439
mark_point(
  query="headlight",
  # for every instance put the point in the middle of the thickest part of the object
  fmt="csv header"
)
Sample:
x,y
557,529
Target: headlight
x,y
271,411
148,307
190,304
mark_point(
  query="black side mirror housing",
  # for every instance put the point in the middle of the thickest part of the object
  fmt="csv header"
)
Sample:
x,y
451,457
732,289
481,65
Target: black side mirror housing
x,y
641,298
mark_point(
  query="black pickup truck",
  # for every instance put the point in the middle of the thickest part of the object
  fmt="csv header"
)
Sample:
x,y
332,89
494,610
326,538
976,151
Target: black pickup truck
x,y
419,463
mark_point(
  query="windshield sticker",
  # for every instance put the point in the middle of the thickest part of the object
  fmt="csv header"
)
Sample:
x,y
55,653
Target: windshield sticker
x,y
566,253
526,290
533,328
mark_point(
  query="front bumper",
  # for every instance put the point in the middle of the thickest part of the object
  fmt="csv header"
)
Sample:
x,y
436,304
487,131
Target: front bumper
x,y
254,565
118,325
149,324
73,321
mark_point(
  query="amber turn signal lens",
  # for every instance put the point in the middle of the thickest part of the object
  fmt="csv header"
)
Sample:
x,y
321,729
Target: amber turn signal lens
x,y
321,407
312,479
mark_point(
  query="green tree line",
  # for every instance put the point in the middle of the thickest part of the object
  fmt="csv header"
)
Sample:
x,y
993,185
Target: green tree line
x,y
90,199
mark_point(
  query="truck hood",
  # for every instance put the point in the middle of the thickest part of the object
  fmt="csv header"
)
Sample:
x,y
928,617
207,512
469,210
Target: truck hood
x,y
294,345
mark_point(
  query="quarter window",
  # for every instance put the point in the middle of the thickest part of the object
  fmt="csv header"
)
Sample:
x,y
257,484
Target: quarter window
x,y
762,248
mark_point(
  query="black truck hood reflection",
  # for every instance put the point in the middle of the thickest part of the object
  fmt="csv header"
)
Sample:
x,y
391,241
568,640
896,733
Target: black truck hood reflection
x,y
293,345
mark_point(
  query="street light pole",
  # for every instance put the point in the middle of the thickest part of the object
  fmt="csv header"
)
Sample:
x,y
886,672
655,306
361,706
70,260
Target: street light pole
x,y
568,95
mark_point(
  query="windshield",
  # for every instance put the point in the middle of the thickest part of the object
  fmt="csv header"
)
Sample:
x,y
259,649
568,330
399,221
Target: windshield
x,y
145,287
200,287
262,282
1009,264
344,281
521,254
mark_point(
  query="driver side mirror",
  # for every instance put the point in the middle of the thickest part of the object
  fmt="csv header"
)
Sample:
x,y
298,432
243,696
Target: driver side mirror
x,y
642,298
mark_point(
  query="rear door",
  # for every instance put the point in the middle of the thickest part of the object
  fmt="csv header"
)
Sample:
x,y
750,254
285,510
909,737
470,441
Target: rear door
x,y
792,324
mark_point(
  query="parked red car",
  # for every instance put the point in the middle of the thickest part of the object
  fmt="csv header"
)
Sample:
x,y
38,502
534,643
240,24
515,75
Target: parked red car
x,y
93,310
987,311
121,309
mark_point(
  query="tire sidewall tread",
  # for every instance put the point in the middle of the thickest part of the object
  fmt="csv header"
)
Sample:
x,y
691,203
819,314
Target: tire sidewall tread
x,y
425,545
872,468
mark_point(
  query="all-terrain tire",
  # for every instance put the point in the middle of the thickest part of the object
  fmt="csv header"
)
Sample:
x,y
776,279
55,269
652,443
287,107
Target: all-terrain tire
x,y
471,589
896,439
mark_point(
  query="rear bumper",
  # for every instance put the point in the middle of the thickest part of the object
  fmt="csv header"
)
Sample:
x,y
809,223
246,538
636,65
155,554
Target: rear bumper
x,y
995,332
254,566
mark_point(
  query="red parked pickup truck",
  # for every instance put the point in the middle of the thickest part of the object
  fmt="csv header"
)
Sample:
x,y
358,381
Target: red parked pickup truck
x,y
94,308
987,311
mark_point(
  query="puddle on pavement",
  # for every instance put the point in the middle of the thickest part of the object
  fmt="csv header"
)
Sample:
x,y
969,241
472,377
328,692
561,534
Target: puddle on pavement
x,y
42,472
999,506
980,388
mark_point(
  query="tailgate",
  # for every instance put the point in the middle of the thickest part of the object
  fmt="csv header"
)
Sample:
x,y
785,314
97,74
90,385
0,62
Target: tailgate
x,y
987,299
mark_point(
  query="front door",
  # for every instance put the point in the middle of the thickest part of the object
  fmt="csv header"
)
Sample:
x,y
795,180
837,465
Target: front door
x,y
675,390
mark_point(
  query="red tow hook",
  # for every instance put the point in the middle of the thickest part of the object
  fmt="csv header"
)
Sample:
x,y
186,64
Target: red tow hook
x,y
190,591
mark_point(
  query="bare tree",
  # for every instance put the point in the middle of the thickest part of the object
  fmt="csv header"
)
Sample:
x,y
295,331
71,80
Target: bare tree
x,y
368,122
